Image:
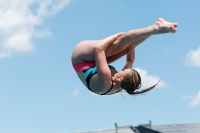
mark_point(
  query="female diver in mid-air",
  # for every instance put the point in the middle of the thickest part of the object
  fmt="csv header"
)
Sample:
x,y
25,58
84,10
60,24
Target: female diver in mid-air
x,y
90,60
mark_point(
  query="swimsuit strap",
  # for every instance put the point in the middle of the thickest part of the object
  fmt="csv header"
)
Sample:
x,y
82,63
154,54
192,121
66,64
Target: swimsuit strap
x,y
108,90
115,92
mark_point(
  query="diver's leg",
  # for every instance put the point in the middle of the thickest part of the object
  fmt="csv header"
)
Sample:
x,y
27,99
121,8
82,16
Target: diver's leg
x,y
85,50
114,57
127,39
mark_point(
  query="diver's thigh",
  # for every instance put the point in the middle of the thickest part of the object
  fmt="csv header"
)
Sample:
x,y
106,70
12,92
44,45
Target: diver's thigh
x,y
84,51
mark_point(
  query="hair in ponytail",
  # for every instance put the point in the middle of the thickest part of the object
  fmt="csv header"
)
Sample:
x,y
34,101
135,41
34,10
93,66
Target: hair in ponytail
x,y
132,81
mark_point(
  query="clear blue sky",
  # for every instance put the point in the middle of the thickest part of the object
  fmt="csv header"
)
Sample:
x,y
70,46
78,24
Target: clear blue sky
x,y
41,93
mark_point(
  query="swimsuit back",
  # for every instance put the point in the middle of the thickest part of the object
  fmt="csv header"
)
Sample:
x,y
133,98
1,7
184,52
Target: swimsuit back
x,y
90,72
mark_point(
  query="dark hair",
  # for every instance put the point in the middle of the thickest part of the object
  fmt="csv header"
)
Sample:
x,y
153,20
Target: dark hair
x,y
132,82
129,82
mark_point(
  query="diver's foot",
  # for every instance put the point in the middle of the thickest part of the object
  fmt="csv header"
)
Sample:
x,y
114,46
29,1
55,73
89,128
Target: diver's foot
x,y
162,26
